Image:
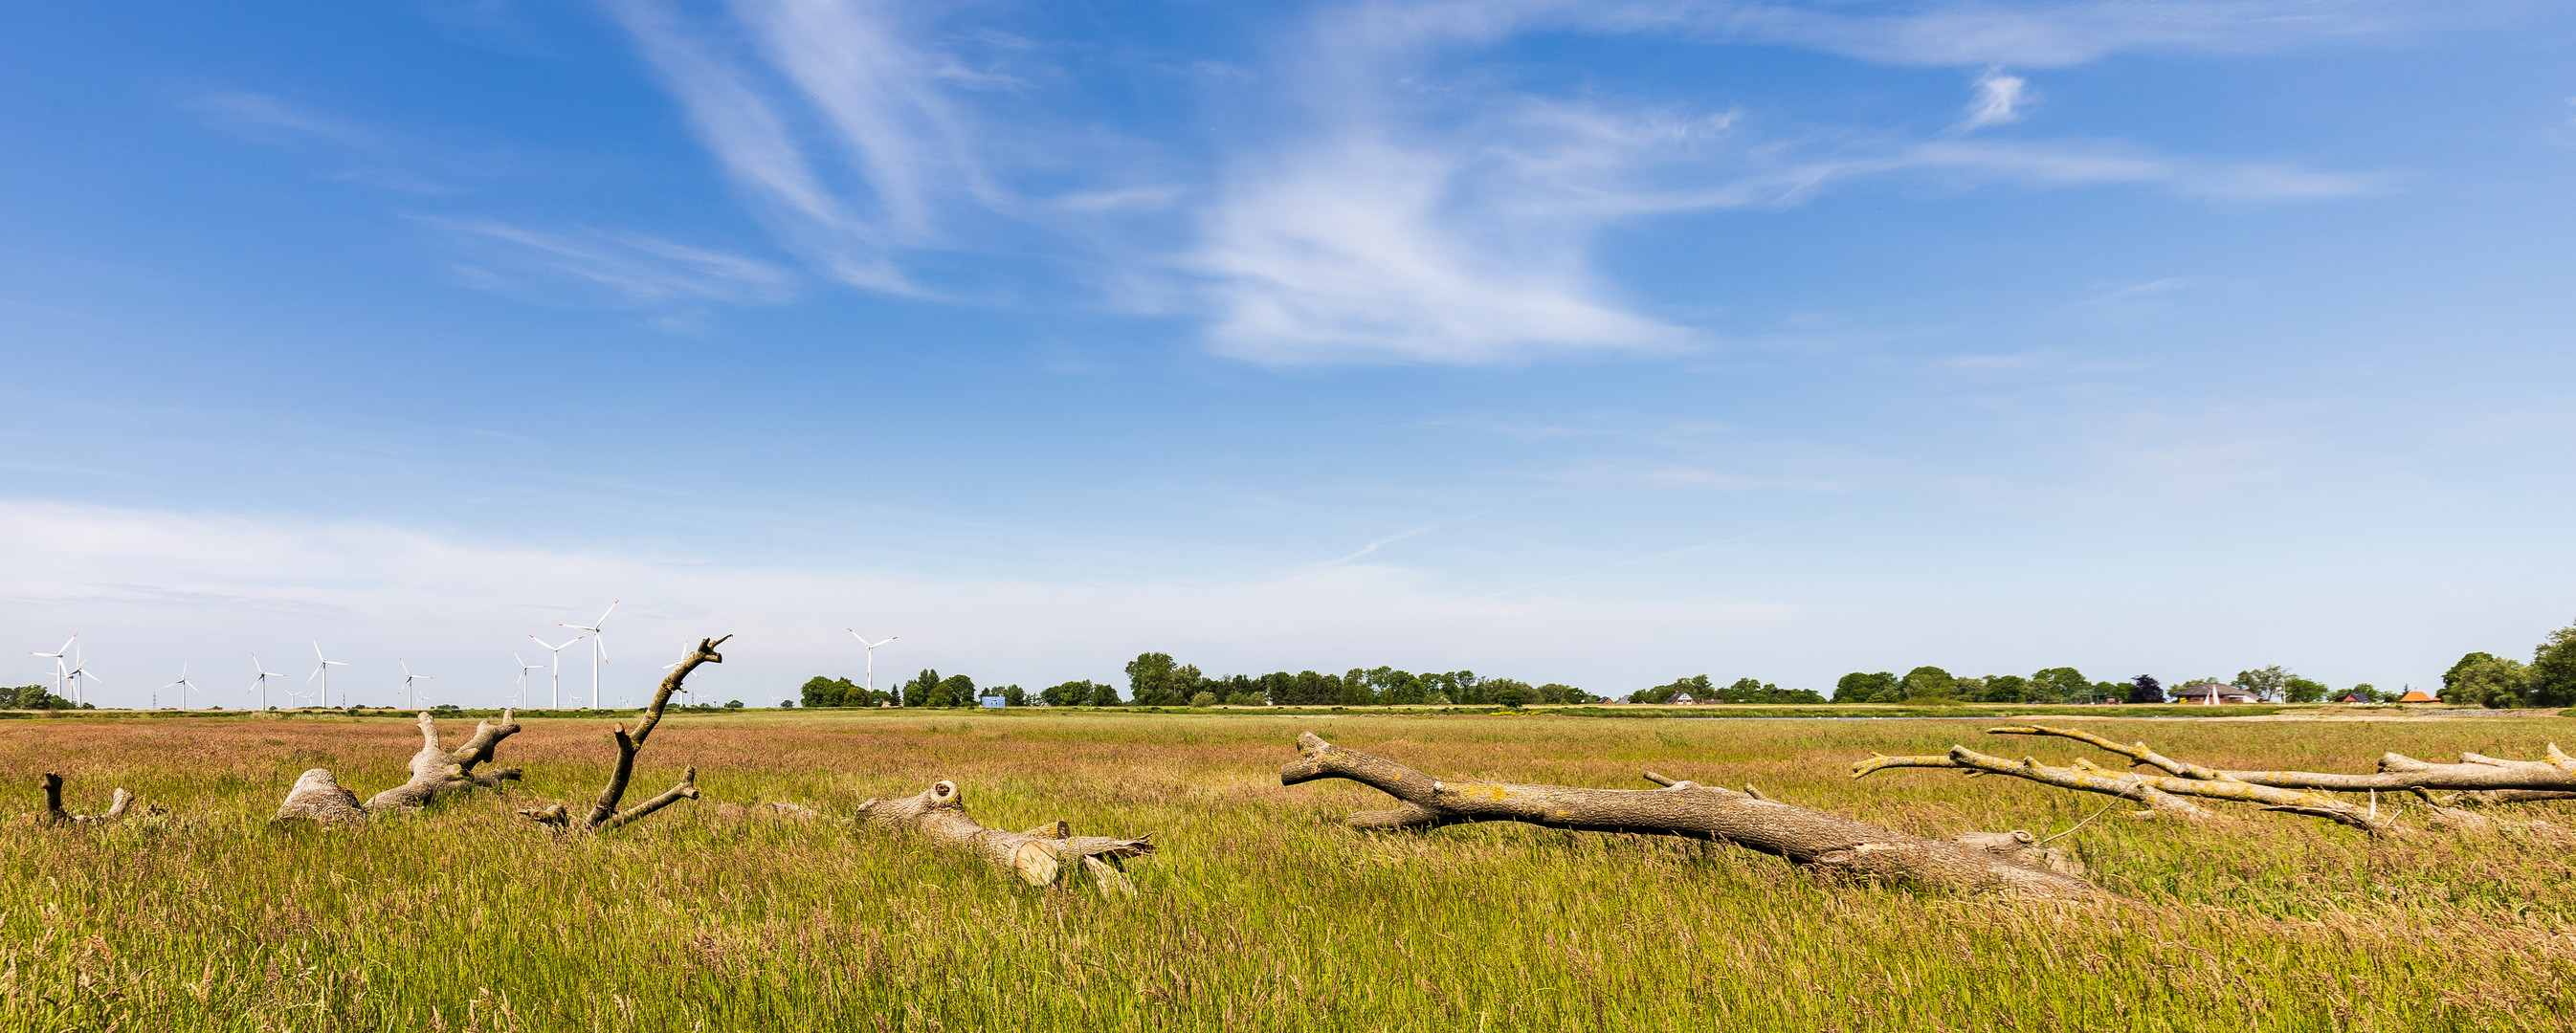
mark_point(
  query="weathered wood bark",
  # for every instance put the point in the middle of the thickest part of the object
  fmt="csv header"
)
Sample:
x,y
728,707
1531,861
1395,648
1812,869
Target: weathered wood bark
x,y
603,814
2159,793
435,771
51,785
1039,856
2479,779
2010,864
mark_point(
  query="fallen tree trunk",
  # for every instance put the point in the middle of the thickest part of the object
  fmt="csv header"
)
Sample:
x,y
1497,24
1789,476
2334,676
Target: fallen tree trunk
x,y
2479,779
2007,863
1040,856
603,814
435,771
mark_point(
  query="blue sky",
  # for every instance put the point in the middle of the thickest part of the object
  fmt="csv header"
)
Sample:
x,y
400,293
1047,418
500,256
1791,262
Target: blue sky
x,y
1596,343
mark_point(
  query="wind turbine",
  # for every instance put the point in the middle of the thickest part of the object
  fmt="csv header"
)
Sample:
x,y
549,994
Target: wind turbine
x,y
598,646
872,654
59,672
557,677
323,669
79,671
524,668
264,675
183,693
412,700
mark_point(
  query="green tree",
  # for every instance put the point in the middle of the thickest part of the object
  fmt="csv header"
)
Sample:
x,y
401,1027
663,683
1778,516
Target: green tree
x,y
1562,694
1857,687
819,691
2009,688
1930,685
1069,694
1511,694
2265,682
1204,699
2552,677
2485,680
1156,680
2302,690
1104,694
1014,696
928,689
2059,685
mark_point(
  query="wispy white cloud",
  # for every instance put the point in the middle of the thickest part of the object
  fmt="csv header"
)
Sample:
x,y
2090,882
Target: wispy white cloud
x,y
626,270
1999,99
831,117
1385,208
2052,35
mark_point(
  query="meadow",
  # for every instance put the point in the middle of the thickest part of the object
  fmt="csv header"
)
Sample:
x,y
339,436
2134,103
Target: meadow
x,y
1259,913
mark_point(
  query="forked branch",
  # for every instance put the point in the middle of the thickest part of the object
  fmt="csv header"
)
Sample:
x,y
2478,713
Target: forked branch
x,y
604,814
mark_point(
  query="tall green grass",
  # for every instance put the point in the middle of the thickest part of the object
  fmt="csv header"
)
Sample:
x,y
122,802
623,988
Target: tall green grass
x,y
1260,913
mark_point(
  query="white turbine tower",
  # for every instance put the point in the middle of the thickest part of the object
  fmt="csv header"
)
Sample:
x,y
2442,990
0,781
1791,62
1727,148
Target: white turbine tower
x,y
598,646
524,668
323,670
185,687
411,698
79,671
872,655
60,672
556,678
264,675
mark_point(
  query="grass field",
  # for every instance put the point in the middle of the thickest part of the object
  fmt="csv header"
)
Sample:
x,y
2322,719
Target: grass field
x,y
1259,914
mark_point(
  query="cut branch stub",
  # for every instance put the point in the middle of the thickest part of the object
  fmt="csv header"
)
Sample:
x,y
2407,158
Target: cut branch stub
x,y
1038,856
435,772
2008,864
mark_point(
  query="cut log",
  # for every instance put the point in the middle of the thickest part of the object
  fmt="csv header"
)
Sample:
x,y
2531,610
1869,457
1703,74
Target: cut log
x,y
2477,779
604,814
1039,856
2010,864
435,772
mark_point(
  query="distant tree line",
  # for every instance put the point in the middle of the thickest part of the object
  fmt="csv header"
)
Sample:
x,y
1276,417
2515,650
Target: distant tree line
x,y
1744,690
1158,680
37,697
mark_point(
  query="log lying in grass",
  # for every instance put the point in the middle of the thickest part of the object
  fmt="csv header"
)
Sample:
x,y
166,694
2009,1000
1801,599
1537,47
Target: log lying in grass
x,y
1040,856
2478,779
51,785
603,814
435,771
2008,863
